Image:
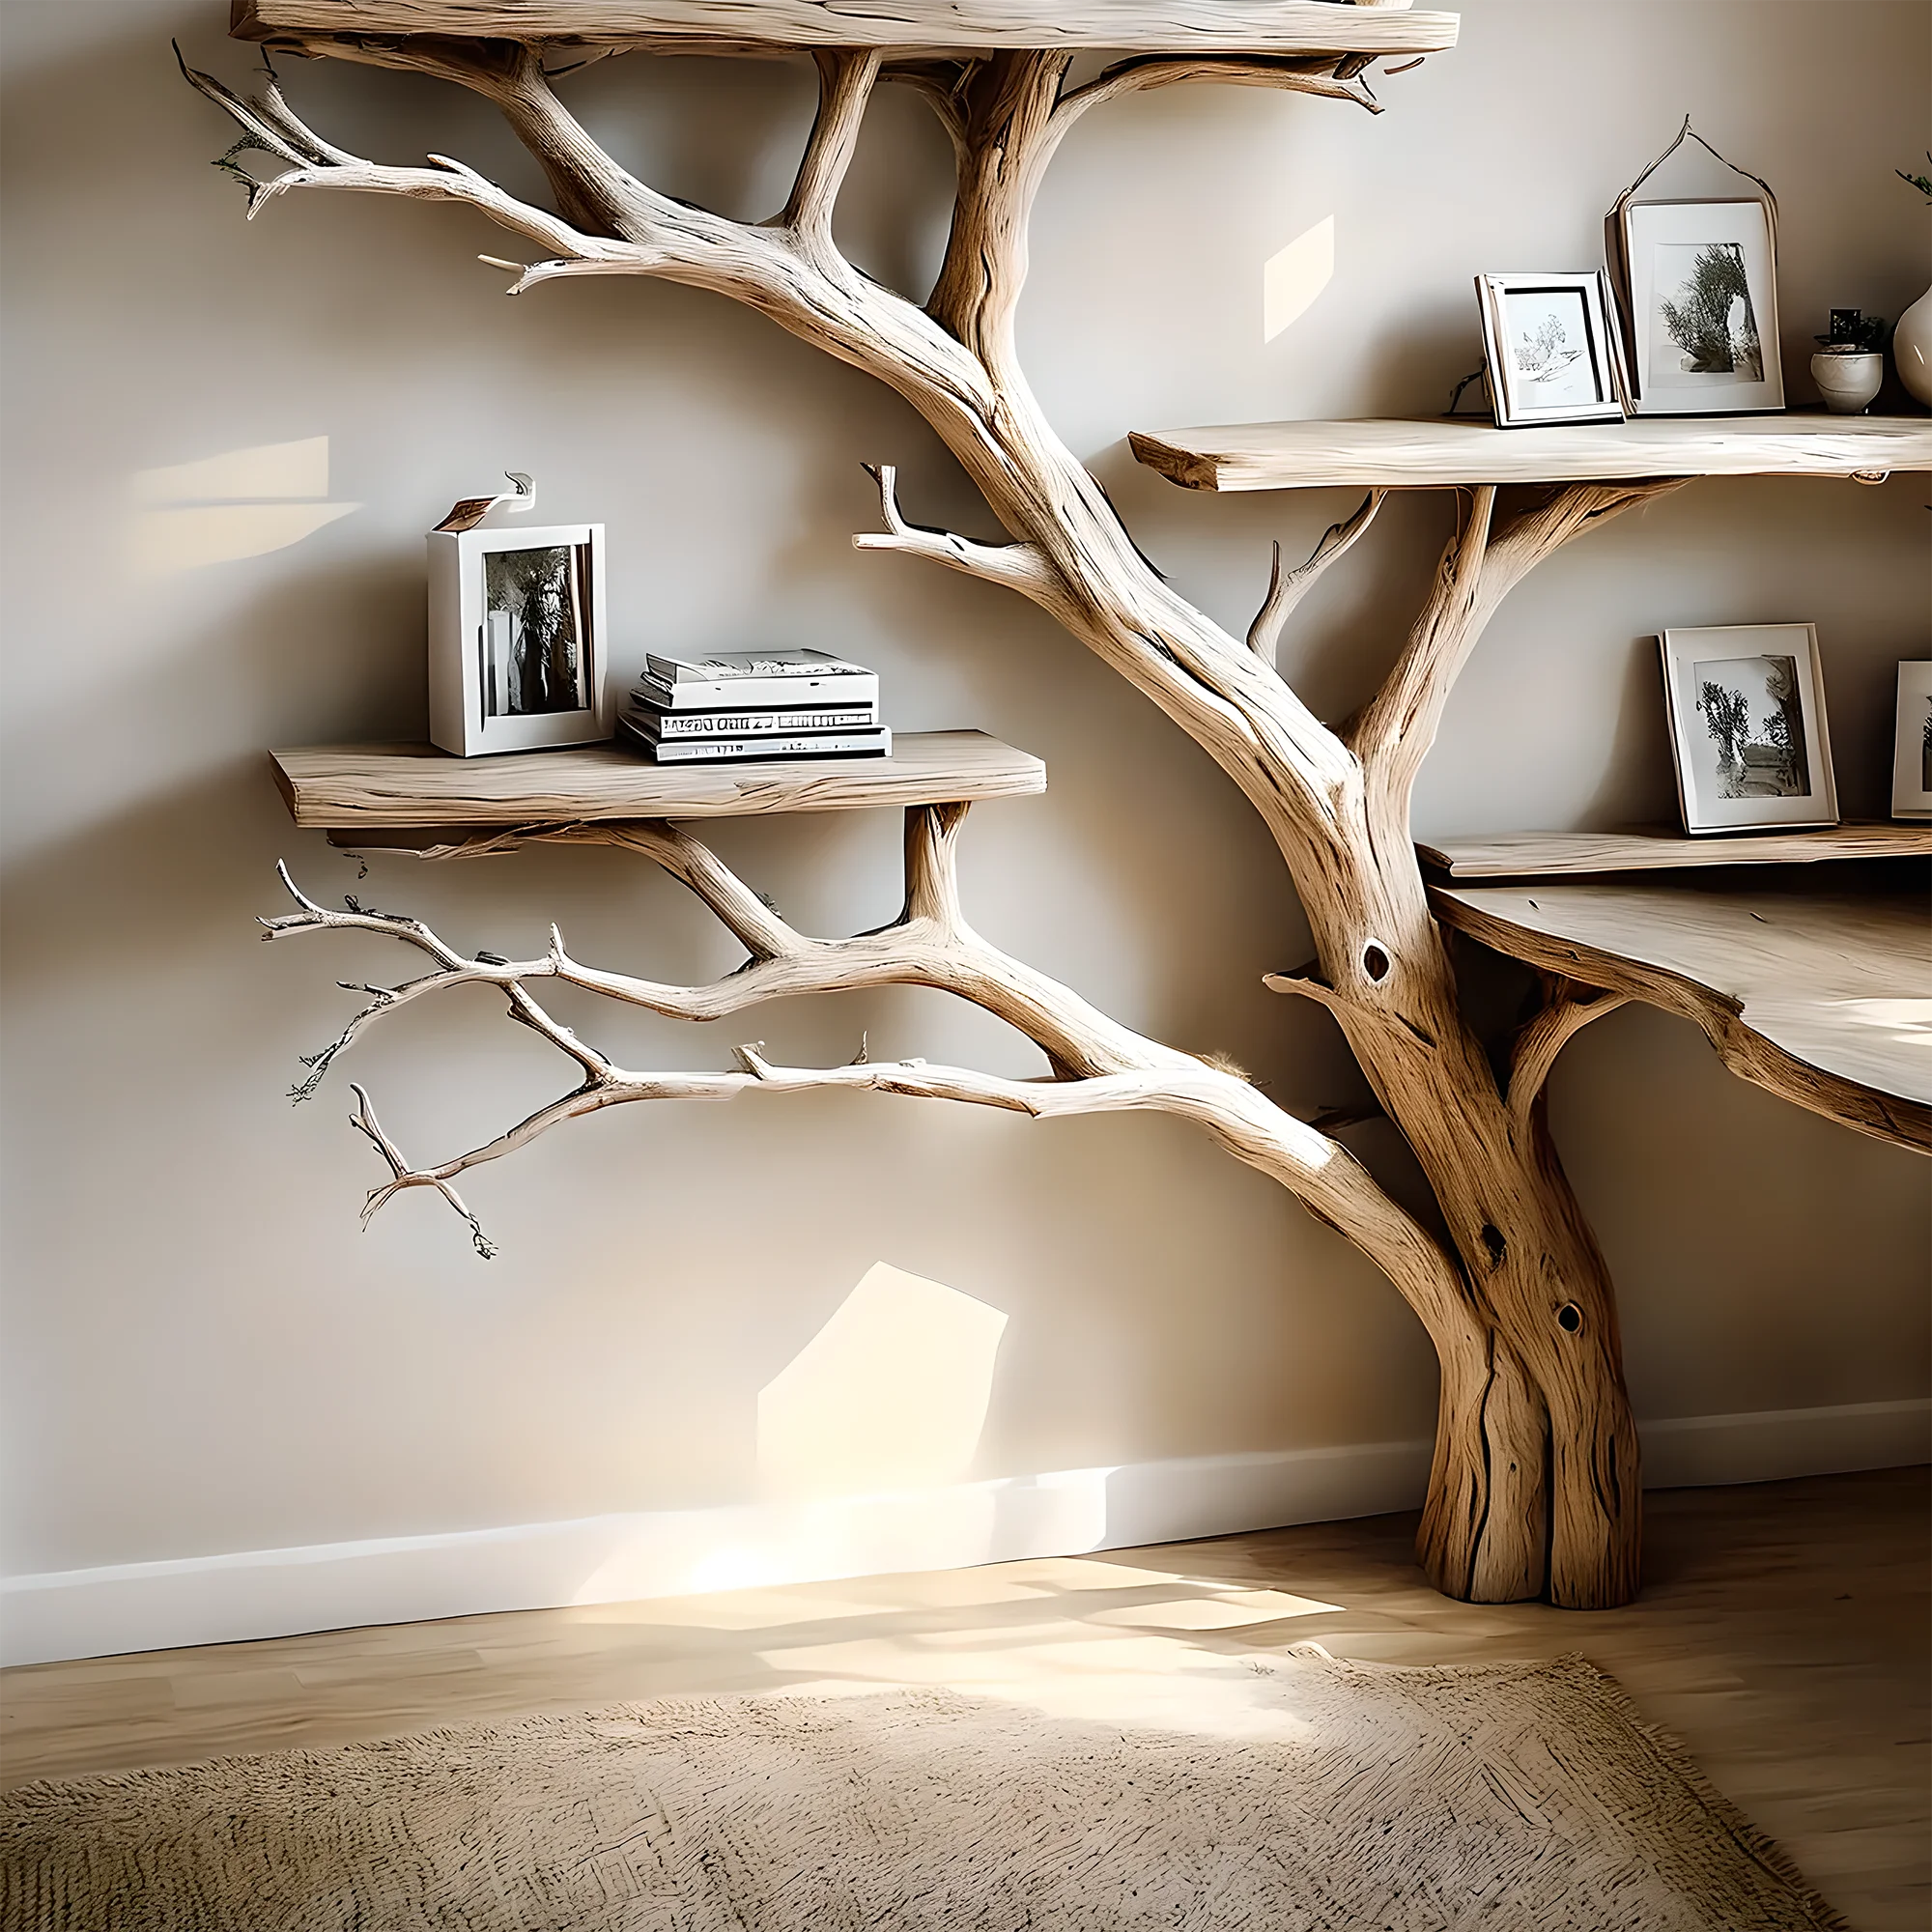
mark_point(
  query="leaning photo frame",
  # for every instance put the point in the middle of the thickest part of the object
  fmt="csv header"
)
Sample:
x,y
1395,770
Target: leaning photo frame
x,y
1703,307
517,639
1912,744
1747,733
1695,286
1549,348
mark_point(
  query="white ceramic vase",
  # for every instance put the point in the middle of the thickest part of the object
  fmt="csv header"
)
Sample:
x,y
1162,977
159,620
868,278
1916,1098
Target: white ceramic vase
x,y
1847,382
1912,349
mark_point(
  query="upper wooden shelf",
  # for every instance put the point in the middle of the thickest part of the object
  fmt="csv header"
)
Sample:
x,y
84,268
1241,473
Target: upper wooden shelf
x,y
1824,997
347,787
1436,451
1156,26
1653,848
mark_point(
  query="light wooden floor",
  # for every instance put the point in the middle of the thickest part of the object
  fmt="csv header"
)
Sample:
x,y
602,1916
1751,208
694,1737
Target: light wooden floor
x,y
1784,1634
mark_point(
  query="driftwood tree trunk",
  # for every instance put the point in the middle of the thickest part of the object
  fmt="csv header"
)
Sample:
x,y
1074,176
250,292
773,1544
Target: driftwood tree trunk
x,y
1534,1487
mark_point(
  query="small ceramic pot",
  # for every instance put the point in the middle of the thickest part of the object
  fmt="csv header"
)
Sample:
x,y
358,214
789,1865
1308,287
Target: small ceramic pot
x,y
1847,382
1912,349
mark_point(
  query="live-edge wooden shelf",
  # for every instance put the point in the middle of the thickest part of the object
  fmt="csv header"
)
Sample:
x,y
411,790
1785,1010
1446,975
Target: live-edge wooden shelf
x,y
1658,848
1441,452
1157,27
355,787
1822,995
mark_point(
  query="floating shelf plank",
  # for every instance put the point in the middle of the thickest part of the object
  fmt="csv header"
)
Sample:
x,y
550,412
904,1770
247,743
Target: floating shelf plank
x,y
1157,27
336,787
1656,848
1822,997
1430,453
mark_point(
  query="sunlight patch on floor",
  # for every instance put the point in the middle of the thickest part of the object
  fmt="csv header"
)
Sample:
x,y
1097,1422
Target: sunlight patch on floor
x,y
1233,1611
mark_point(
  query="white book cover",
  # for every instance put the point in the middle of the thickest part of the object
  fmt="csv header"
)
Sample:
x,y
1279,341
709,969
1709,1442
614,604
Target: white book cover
x,y
848,689
726,667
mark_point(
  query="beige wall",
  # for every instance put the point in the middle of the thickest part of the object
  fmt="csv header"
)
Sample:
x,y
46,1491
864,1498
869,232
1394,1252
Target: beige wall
x,y
203,1352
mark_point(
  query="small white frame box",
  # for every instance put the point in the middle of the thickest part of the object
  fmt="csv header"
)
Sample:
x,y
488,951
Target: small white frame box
x,y
516,654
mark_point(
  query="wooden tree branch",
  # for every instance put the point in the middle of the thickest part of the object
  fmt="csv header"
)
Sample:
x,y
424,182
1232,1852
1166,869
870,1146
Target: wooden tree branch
x,y
1478,570
1008,106
846,81
317,163
1099,1065
365,1123
1286,591
1565,1013
1300,74
1019,566
1398,725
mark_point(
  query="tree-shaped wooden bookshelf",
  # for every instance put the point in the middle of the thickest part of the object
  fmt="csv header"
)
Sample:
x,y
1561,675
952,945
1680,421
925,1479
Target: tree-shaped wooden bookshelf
x,y
1534,1485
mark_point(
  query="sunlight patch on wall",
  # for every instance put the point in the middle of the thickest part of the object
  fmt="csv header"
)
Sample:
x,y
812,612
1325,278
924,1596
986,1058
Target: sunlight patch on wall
x,y
1293,278
889,1395
245,503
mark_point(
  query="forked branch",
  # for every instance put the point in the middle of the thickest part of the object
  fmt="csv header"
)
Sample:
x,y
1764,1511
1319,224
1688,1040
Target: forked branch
x,y
1019,566
1287,589
1479,568
365,1123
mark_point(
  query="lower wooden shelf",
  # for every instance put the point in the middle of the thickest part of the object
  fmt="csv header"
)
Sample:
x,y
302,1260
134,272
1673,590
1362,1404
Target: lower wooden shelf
x,y
350,787
1824,997
1650,848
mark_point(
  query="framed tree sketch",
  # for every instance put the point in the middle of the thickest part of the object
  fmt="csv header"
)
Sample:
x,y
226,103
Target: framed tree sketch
x,y
1703,307
516,639
1747,730
1912,748
1549,348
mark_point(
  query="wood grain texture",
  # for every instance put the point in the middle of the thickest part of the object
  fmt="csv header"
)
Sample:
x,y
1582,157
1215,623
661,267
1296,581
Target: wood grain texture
x,y
1436,452
1656,848
1182,26
1824,997
346,786
1782,1634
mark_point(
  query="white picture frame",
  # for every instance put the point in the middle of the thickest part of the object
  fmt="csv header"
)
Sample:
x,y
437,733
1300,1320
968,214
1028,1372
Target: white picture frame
x,y
516,654
1550,349
1703,307
1912,742
1748,731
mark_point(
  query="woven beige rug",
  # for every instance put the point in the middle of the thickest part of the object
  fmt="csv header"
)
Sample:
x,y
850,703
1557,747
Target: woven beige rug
x,y
1286,1797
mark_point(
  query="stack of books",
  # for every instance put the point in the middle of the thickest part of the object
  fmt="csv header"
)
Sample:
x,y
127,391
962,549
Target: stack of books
x,y
729,705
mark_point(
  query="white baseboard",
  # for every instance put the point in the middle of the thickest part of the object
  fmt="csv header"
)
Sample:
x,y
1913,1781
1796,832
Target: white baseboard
x,y
671,1552
263,1593
1766,1445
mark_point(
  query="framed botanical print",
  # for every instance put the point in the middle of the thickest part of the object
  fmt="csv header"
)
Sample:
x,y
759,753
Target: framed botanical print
x,y
1549,348
517,641
1912,746
1748,734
